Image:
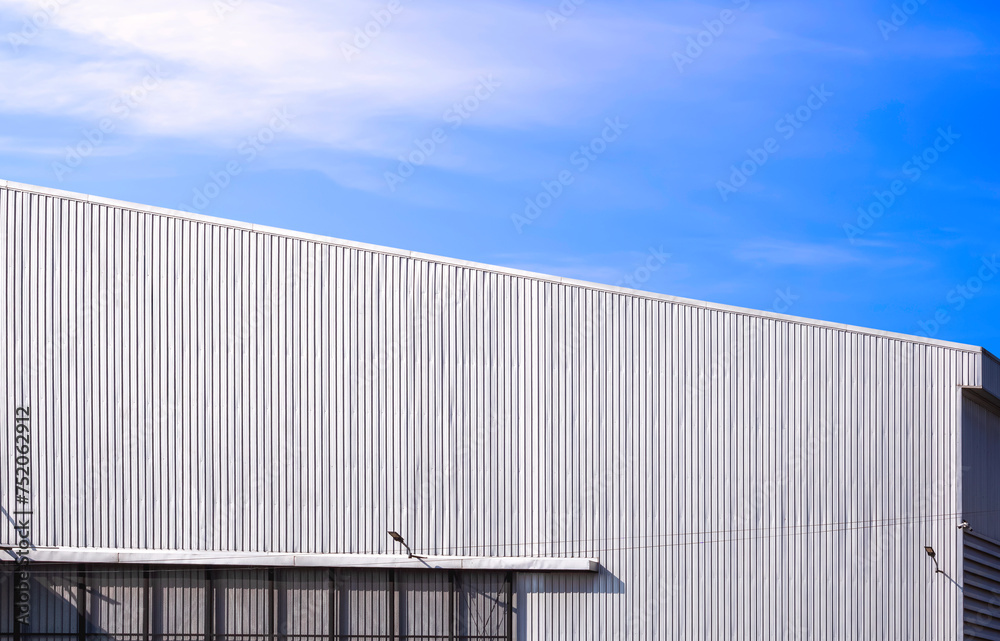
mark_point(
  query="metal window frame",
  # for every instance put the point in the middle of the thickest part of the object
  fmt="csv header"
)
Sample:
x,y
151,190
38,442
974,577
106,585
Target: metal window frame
x,y
210,624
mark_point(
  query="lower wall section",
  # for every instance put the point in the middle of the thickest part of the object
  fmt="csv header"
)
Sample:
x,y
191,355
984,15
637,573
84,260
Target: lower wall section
x,y
982,588
980,472
172,603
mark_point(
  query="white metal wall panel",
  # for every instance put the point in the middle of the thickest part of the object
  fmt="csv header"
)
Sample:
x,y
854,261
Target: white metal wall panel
x,y
991,374
181,598
115,604
304,603
422,603
981,466
241,602
210,386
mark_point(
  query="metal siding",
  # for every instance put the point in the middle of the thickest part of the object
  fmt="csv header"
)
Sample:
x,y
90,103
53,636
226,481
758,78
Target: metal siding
x,y
10,347
980,472
207,387
991,373
115,604
981,588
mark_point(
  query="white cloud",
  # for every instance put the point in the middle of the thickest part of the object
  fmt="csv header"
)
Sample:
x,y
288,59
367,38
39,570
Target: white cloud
x,y
227,73
785,252
639,270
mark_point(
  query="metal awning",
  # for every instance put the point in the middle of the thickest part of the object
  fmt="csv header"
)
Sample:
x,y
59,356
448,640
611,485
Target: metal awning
x,y
268,559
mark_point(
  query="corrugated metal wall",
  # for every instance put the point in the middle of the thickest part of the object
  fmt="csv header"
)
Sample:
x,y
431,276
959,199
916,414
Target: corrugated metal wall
x,y
207,386
991,373
982,588
981,466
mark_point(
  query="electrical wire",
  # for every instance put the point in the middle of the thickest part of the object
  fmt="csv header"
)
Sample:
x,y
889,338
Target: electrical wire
x,y
903,520
819,528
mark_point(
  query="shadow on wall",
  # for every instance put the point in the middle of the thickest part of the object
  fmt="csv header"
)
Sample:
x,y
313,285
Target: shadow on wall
x,y
560,585
53,603
600,582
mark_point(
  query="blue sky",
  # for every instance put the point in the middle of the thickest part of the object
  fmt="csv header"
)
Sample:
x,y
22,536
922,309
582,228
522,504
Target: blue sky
x,y
828,160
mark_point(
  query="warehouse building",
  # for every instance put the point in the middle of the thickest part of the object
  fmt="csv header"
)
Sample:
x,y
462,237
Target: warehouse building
x,y
215,426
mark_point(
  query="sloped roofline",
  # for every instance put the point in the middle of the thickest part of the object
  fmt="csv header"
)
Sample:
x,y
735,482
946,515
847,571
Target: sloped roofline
x,y
329,240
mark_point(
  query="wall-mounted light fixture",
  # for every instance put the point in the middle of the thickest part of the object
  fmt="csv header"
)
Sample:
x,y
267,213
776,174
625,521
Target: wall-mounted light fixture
x,y
398,538
930,552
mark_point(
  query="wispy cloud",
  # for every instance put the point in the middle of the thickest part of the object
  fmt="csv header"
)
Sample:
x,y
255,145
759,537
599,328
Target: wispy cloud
x,y
228,70
922,41
654,266
786,252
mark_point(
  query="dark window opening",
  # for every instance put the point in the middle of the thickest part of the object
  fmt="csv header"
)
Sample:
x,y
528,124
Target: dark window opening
x,y
88,602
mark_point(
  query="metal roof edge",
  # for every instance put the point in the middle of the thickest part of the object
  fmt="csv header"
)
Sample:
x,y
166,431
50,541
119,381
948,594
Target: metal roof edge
x,y
982,395
293,559
457,262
